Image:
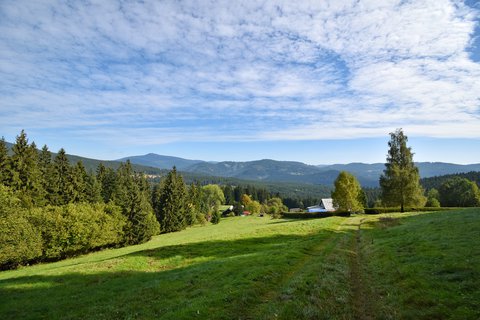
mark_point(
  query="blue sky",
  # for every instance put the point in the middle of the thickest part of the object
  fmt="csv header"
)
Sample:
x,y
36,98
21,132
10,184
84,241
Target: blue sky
x,y
314,81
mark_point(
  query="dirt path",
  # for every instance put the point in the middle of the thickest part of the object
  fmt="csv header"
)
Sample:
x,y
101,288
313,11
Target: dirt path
x,y
320,250
361,297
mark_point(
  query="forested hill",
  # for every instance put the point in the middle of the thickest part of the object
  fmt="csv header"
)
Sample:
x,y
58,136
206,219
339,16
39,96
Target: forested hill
x,y
92,164
273,171
284,189
436,182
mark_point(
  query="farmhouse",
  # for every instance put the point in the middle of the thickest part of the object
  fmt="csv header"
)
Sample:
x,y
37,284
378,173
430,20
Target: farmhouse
x,y
325,205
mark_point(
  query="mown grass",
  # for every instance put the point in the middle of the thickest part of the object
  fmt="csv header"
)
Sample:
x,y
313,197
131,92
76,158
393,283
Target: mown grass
x,y
416,265
426,266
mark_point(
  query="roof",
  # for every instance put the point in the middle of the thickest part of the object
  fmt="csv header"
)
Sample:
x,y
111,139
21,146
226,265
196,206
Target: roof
x,y
324,205
328,204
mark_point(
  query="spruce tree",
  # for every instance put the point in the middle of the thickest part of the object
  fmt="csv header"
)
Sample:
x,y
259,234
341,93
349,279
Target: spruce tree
x,y
25,176
108,182
63,189
400,181
93,191
169,200
46,169
132,194
78,180
4,159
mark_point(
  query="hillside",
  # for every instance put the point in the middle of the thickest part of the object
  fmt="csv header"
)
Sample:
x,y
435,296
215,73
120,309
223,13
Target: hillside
x,y
259,268
437,181
295,190
162,162
295,172
92,164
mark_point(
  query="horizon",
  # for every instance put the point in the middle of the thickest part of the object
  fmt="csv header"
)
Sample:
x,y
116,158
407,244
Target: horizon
x,y
319,83
230,160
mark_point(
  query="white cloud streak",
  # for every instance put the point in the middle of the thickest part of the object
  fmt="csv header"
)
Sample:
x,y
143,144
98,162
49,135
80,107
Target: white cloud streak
x,y
160,71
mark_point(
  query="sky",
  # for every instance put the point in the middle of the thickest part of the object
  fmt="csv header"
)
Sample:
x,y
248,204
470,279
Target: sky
x,y
319,82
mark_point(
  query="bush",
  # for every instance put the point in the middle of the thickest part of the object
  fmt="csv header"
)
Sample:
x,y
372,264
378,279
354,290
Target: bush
x,y
216,216
19,241
315,215
397,209
77,228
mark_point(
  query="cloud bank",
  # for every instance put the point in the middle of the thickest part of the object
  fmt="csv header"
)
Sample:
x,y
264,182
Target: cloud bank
x,y
152,72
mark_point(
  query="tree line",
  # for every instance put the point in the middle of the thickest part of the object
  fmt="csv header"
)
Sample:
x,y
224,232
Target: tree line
x,y
400,185
51,209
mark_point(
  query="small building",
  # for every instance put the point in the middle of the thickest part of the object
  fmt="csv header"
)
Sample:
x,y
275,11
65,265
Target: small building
x,y
295,210
325,205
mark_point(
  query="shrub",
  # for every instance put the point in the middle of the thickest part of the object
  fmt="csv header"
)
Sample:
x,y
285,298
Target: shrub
x,y
19,241
77,228
379,210
216,216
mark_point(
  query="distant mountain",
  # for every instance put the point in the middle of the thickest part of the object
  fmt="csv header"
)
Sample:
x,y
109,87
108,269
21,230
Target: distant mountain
x,y
161,162
92,164
432,169
269,170
290,171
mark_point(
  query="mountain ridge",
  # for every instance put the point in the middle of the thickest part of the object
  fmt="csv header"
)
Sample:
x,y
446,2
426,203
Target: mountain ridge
x,y
295,171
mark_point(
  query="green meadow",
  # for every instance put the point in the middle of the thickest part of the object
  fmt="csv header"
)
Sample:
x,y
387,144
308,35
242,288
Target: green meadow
x,y
389,266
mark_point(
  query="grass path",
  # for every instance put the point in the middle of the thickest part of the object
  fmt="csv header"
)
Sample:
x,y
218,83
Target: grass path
x,y
395,266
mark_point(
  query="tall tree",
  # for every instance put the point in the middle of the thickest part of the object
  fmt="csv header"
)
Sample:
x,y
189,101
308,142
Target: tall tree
x,y
4,170
25,176
169,200
107,179
79,184
400,181
212,198
347,193
63,192
132,197
45,167
193,204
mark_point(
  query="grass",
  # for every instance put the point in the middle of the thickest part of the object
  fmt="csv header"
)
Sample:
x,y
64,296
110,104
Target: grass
x,y
416,265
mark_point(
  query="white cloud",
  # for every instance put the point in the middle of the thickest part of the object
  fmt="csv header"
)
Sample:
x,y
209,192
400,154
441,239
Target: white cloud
x,y
275,70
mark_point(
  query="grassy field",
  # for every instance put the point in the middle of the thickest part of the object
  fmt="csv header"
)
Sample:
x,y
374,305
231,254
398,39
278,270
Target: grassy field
x,y
393,266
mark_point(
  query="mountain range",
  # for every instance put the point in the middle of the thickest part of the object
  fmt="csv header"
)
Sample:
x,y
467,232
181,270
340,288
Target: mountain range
x,y
266,170
290,171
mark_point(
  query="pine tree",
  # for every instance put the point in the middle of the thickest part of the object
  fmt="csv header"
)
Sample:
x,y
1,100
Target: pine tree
x,y
229,195
4,159
169,200
93,191
25,176
63,189
79,184
107,179
132,194
45,167
400,181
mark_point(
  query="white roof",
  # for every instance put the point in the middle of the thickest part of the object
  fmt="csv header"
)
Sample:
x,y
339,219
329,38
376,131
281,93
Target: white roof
x,y
328,204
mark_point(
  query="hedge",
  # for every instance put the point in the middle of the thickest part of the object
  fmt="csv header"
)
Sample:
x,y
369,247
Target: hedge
x,y
314,215
397,209
77,228
55,232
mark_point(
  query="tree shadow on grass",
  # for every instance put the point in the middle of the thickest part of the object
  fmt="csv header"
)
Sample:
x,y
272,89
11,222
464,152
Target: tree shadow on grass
x,y
211,279
228,279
